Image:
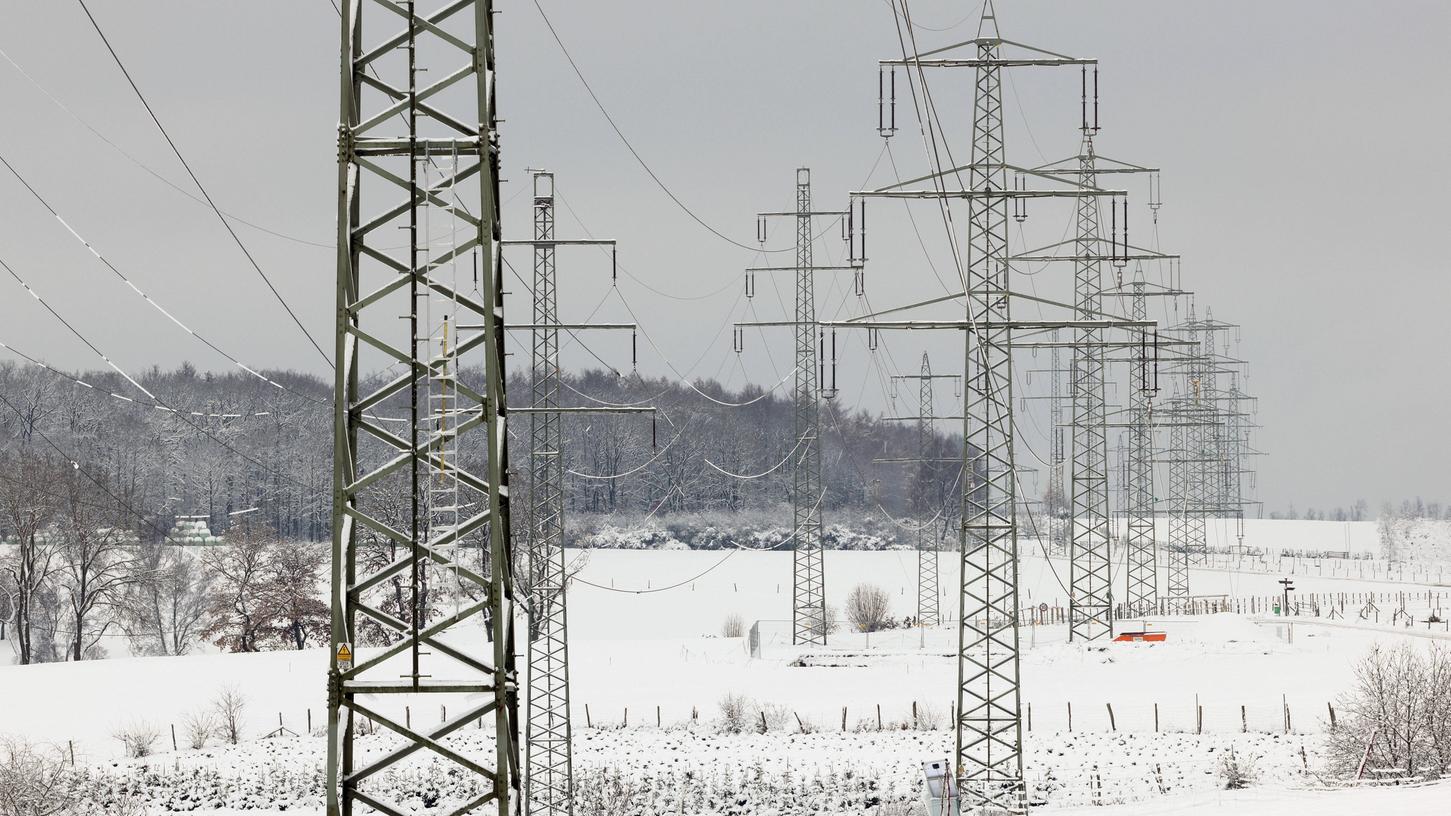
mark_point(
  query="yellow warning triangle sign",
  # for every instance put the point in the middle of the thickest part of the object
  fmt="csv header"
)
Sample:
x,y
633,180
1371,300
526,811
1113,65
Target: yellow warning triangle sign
x,y
345,653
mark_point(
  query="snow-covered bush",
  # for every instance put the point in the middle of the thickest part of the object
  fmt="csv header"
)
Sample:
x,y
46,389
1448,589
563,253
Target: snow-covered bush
x,y
736,713
139,738
200,726
1237,772
866,607
33,780
929,717
1398,715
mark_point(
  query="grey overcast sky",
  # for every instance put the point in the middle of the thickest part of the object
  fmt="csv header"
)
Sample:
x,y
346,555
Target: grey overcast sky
x,y
1302,143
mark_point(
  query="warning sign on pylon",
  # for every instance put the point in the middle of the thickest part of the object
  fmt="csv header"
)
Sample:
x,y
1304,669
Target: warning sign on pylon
x,y
345,656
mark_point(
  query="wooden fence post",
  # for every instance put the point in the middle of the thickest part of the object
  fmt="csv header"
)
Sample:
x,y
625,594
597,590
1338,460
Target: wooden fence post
x,y
843,719
1243,720
1156,718
1070,716
879,716
173,736
1112,726
588,723
1331,707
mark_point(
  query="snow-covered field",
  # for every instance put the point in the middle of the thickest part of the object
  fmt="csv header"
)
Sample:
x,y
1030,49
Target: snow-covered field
x,y
649,669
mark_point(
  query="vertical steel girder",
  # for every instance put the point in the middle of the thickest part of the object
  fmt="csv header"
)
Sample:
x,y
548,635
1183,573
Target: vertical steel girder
x,y
548,752
989,739
421,161
808,576
928,566
1090,612
1143,576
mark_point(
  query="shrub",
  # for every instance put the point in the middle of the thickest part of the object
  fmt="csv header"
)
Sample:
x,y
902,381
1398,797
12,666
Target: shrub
x,y
200,726
867,608
733,626
736,712
1237,772
139,739
33,780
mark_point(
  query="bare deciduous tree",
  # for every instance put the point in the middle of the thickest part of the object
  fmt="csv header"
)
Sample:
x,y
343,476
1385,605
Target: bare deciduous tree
x,y
239,570
1397,715
228,706
292,603
98,561
27,510
165,607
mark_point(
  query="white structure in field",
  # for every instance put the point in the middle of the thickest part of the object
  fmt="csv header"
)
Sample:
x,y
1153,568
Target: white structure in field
x,y
193,531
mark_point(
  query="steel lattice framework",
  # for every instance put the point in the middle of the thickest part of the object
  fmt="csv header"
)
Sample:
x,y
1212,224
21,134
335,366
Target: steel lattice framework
x,y
421,160
1058,453
989,708
548,745
929,507
808,571
1142,568
989,748
1090,589
548,755
928,565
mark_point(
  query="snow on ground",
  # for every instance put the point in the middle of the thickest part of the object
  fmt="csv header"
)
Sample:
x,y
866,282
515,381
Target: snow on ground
x,y
648,652
699,770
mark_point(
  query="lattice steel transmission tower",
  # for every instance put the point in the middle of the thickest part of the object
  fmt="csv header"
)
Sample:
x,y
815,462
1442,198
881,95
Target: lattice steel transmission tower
x,y
1090,612
548,751
1091,587
1058,523
1142,562
423,160
808,574
989,750
928,507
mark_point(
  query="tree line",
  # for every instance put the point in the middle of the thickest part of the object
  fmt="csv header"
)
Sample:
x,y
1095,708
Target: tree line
x,y
236,443
94,475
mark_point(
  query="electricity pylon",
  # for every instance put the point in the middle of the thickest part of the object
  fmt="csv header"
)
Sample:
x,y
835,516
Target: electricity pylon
x,y
1143,566
1058,454
929,611
386,573
1090,614
1090,562
548,736
808,573
989,749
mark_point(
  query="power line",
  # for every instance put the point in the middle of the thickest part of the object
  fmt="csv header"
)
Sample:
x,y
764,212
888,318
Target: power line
x,y
633,152
144,296
203,190
139,387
